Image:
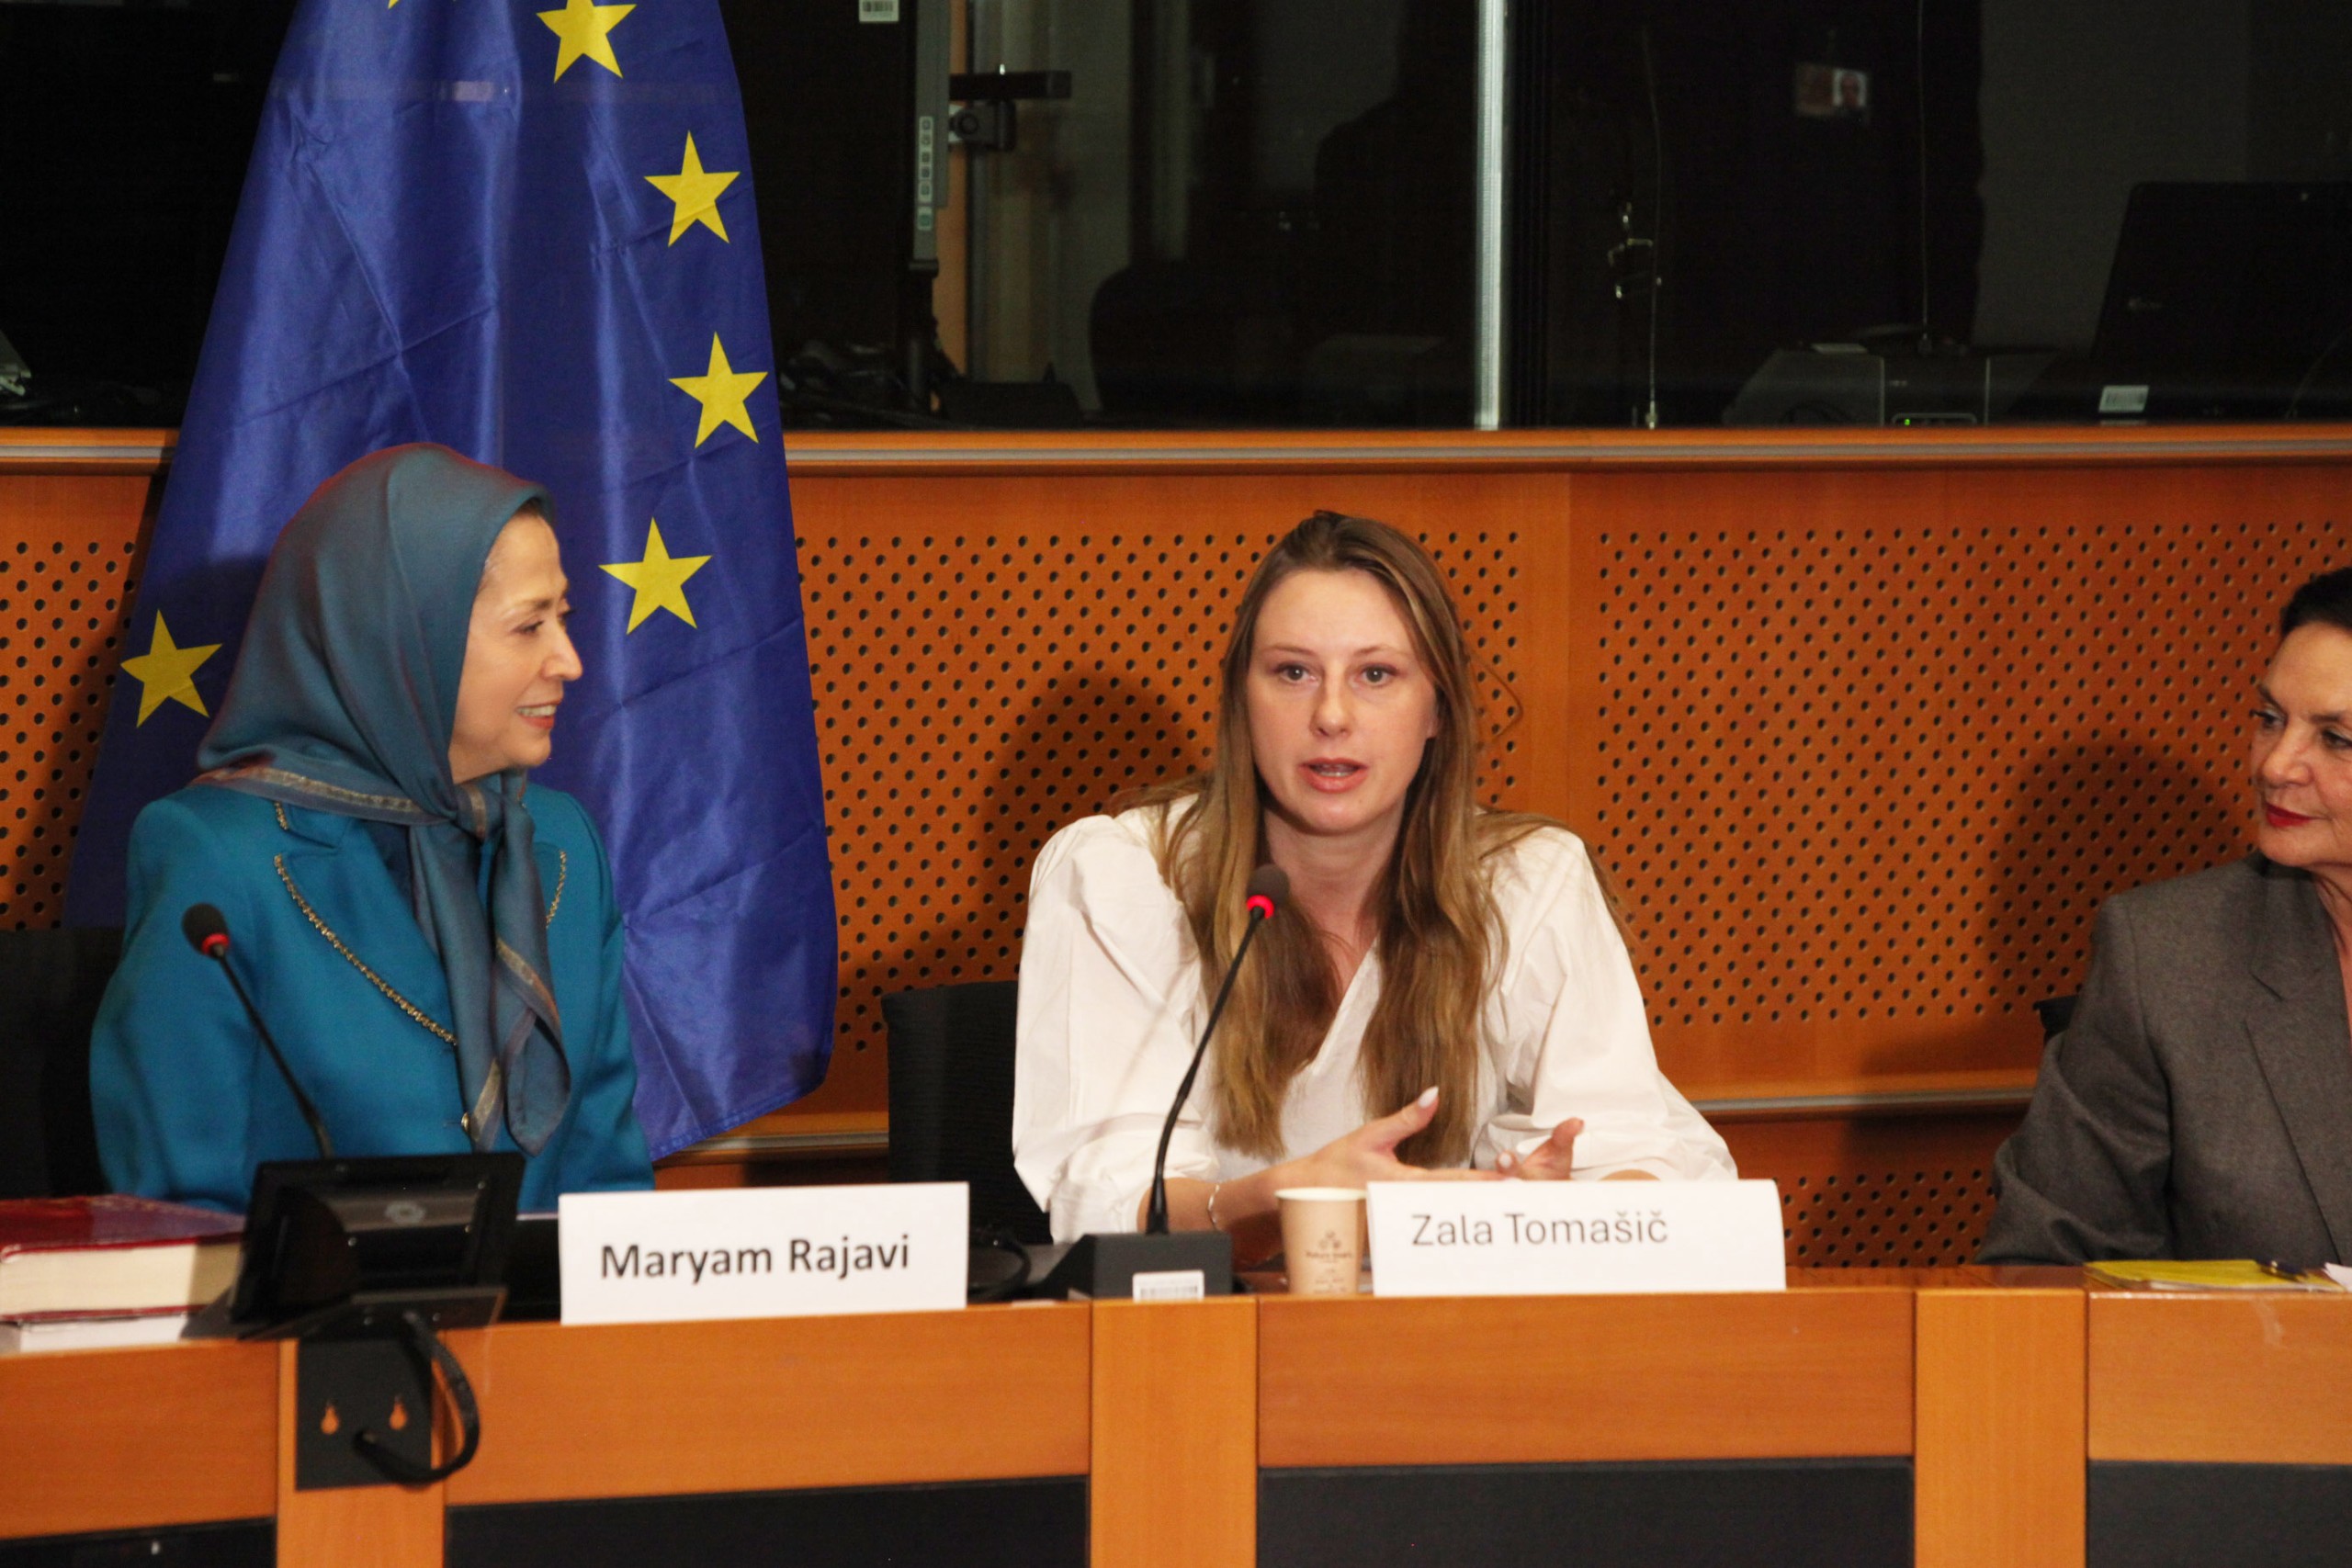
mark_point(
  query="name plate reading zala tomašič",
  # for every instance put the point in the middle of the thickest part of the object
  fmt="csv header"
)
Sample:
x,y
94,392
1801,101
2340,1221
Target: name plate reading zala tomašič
x,y
763,1252
1543,1238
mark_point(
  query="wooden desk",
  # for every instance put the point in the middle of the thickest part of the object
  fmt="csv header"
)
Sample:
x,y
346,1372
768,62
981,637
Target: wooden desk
x,y
1934,1416
102,1441
1637,1428
2220,1428
774,1425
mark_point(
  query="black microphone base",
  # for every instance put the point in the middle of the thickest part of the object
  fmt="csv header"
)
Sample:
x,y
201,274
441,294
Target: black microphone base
x,y
1104,1266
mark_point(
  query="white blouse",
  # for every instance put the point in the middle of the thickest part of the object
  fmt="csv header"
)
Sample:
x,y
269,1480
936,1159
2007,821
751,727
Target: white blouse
x,y
1112,1000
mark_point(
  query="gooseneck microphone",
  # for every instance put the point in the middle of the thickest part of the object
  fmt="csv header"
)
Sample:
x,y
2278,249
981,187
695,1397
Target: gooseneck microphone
x,y
208,931
1267,887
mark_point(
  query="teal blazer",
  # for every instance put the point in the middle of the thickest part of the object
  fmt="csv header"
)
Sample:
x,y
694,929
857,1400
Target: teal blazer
x,y
324,939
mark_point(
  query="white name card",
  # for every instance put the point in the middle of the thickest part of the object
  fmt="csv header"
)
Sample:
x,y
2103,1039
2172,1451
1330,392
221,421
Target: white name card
x,y
1540,1238
763,1252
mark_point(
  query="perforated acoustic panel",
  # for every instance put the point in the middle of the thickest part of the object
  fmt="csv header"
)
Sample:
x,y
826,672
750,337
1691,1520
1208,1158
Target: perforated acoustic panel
x,y
66,549
1866,760
977,691
1877,1191
1865,746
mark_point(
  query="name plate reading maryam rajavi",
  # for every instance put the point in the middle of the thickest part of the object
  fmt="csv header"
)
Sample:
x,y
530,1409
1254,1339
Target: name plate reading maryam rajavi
x,y
763,1252
1540,1238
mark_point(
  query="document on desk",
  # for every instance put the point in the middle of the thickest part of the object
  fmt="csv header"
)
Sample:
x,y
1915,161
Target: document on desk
x,y
1537,1239
763,1252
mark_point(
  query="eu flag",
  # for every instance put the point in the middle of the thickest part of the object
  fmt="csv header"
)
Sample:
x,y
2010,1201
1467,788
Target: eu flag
x,y
529,233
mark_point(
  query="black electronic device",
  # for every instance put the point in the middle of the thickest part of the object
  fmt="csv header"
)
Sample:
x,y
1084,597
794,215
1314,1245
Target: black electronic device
x,y
845,113
1874,384
2227,300
363,1262
355,1244
350,1245
986,117
1104,1267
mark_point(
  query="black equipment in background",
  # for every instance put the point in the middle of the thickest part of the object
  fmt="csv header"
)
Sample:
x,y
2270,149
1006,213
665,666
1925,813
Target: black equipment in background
x,y
987,104
846,111
2228,301
1884,381
130,129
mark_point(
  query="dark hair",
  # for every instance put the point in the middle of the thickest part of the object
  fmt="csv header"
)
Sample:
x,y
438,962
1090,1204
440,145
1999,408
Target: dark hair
x,y
2325,599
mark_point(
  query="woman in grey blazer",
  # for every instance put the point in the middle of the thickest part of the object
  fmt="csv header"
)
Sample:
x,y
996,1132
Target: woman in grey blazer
x,y
2200,1102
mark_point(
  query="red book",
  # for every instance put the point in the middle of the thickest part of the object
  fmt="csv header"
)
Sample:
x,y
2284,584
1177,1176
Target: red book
x,y
112,1256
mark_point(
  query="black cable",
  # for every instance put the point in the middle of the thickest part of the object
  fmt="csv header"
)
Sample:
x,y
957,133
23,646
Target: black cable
x,y
1657,217
996,1238
431,1354
2311,375
1919,84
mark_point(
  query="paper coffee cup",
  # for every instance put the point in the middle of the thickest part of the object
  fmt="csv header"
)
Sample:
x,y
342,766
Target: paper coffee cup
x,y
1322,1238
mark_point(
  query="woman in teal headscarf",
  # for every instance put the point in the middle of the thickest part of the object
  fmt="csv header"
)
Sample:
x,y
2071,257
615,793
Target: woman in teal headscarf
x,y
437,954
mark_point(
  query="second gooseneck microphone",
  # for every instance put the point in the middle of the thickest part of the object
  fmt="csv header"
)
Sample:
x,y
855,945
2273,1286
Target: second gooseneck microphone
x,y
208,931
1267,887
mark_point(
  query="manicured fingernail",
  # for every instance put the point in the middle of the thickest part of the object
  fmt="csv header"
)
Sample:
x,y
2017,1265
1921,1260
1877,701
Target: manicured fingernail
x,y
1429,1098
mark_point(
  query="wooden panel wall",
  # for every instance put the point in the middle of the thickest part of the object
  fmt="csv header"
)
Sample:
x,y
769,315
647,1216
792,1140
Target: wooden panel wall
x,y
1865,728
68,544
1868,745
1876,1191
996,657
1865,735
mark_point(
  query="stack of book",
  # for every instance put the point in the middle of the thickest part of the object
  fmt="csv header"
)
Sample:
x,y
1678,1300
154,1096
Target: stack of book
x,y
79,1273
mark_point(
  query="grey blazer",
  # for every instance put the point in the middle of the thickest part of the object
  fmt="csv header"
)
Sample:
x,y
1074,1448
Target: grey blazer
x,y
2200,1103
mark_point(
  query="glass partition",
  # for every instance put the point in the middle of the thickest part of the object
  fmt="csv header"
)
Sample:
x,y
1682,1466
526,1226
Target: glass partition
x,y
1247,211
1933,211
1376,213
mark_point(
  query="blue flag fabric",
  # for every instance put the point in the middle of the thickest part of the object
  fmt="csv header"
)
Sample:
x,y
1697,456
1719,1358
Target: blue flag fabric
x,y
529,233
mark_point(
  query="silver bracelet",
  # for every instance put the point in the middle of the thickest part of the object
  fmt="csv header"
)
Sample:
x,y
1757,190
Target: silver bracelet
x,y
1215,1188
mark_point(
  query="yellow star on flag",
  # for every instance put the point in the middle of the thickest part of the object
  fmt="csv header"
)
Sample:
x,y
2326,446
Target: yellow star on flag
x,y
721,391
582,26
660,578
166,673
693,194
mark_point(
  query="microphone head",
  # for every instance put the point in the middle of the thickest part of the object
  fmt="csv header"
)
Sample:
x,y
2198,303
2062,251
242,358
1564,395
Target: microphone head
x,y
207,929
1268,886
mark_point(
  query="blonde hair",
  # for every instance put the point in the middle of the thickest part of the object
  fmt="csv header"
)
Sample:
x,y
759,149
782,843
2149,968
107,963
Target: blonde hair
x,y
1439,939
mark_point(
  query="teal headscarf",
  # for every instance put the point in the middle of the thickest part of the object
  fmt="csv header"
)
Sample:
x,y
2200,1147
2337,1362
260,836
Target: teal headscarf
x,y
343,699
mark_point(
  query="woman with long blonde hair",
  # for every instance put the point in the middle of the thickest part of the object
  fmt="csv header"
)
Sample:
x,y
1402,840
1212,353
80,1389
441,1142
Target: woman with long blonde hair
x,y
1443,993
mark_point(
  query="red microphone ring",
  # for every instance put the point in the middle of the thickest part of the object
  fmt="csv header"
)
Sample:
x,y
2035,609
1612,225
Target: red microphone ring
x,y
1262,907
216,945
